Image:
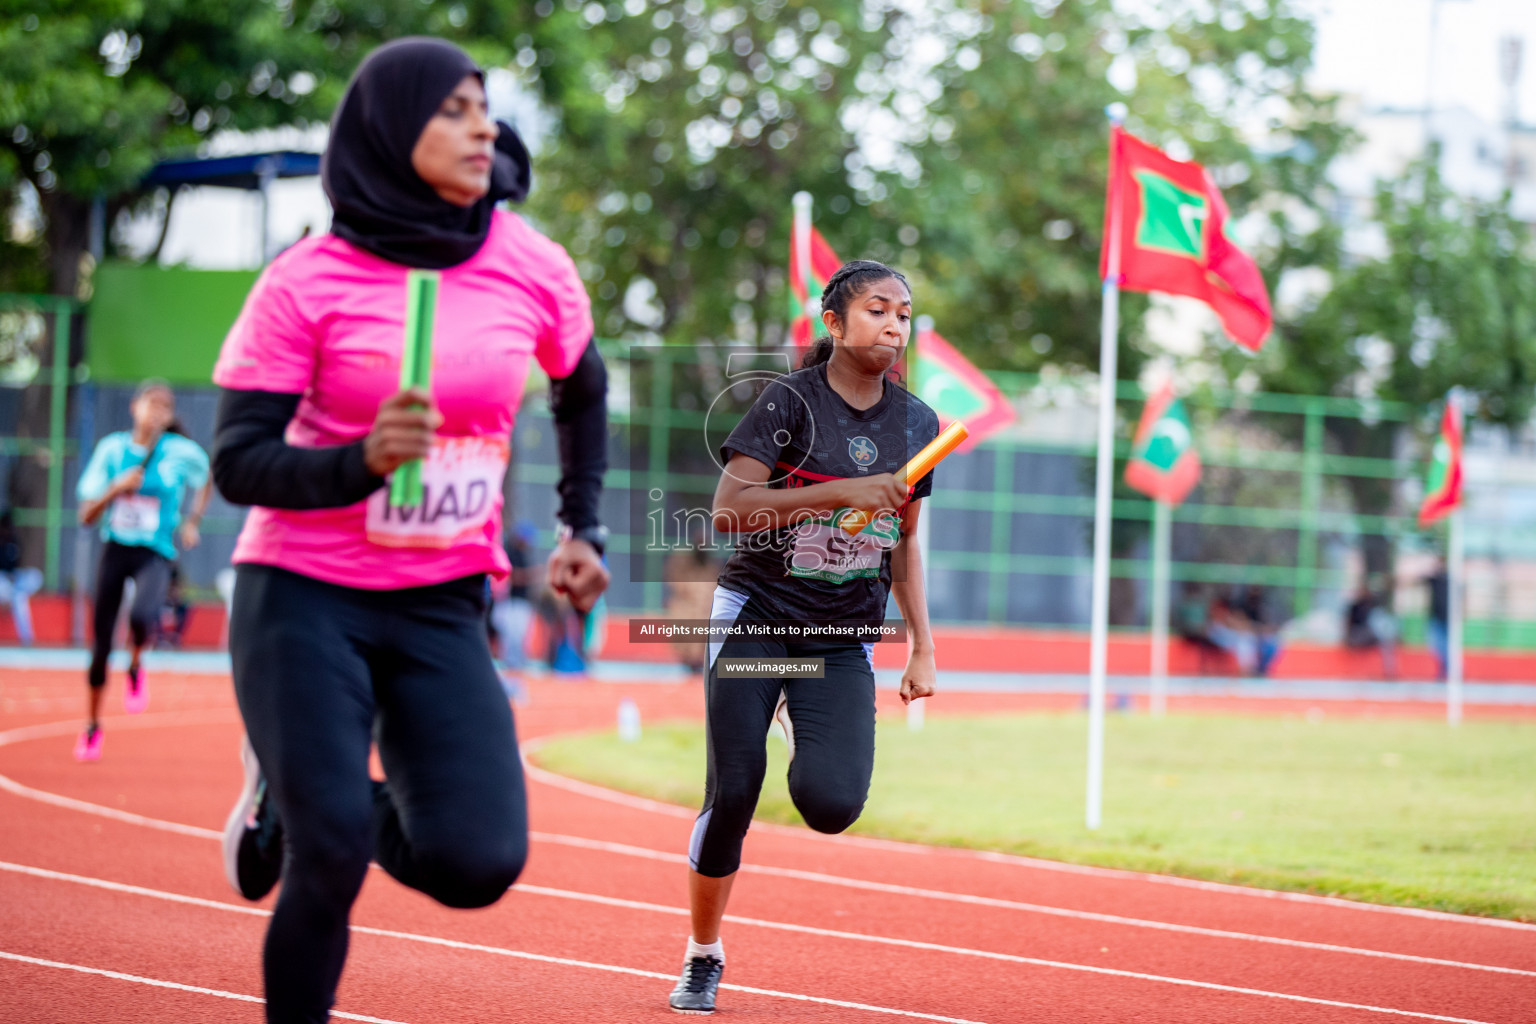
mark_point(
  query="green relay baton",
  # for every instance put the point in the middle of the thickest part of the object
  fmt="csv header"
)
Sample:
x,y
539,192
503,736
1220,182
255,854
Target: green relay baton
x,y
415,371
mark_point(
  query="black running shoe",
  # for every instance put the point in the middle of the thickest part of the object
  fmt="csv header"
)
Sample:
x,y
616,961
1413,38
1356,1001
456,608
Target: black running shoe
x,y
695,991
253,835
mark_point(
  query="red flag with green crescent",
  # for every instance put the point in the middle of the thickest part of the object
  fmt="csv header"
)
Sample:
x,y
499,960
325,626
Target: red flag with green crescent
x,y
1172,225
1164,464
956,390
803,327
1442,493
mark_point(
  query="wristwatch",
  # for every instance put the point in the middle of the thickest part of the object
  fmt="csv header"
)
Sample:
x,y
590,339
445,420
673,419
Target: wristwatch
x,y
596,535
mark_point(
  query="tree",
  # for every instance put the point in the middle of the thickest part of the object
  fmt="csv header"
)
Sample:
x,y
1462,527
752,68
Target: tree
x,y
1009,197
684,132
94,92
1446,303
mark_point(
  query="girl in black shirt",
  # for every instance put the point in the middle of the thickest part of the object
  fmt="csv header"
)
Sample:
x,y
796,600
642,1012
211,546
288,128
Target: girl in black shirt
x,y
816,444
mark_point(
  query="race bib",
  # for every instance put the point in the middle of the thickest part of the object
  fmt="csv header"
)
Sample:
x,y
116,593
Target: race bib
x,y
460,484
823,550
135,515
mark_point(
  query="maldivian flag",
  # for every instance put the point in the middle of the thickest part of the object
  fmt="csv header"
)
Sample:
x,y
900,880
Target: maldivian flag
x,y
1164,464
804,328
1442,494
1172,224
956,390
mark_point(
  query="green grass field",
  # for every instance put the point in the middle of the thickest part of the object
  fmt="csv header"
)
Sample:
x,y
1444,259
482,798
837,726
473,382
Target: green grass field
x,y
1391,811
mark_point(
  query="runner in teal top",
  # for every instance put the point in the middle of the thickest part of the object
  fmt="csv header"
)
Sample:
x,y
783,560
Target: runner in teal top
x,y
135,484
148,517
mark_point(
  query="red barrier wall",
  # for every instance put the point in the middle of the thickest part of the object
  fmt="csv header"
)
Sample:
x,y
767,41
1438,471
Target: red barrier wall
x,y
962,648
998,649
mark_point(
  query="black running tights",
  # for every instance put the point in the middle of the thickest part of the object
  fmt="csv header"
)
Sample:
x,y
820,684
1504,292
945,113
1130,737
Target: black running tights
x,y
833,720
151,575
320,670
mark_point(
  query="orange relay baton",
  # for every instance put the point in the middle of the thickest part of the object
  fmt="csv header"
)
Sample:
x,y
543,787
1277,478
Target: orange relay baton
x,y
920,466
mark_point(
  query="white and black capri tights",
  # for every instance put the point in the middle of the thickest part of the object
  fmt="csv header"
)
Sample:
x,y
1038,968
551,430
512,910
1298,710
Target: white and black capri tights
x,y
833,721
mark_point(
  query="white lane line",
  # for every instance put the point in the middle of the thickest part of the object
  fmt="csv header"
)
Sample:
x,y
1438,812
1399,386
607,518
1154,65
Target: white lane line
x,y
70,803
178,986
549,778
1033,908
10,785
614,901
153,720
432,940
638,972
614,796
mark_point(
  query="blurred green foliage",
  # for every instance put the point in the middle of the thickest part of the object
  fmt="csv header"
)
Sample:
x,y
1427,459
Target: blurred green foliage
x,y
962,140
1446,302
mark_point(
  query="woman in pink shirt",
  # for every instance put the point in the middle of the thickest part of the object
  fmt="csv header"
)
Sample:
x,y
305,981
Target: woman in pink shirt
x,y
354,620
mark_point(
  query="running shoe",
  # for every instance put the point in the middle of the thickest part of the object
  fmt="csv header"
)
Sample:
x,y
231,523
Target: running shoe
x,y
253,835
88,745
781,715
695,991
136,696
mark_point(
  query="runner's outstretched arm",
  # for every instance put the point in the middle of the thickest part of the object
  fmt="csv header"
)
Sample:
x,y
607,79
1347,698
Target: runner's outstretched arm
x,y
918,679
579,405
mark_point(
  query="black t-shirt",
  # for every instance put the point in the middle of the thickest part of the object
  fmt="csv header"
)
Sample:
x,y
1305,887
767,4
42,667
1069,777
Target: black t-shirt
x,y
813,572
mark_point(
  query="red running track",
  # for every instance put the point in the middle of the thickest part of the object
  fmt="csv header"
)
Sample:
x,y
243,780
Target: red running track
x,y
113,908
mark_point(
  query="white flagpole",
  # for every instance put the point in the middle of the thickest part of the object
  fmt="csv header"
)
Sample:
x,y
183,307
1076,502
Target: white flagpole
x,y
802,230
1455,568
1109,331
916,710
1162,522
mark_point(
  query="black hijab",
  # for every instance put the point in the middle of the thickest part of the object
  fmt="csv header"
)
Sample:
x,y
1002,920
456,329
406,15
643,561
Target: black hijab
x,y
378,200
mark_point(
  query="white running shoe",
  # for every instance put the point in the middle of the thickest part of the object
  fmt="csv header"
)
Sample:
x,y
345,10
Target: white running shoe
x,y
253,835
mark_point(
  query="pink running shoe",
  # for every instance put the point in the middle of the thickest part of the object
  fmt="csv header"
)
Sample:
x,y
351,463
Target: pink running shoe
x,y
136,696
88,746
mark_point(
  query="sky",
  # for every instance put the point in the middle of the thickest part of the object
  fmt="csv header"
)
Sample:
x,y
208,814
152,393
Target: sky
x,y
1379,49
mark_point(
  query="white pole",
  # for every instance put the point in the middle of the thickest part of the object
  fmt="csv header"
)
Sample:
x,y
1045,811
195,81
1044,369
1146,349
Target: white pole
x,y
1109,331
802,237
1099,636
1162,521
1455,617
915,710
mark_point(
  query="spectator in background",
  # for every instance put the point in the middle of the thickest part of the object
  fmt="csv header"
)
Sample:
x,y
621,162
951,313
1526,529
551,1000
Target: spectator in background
x,y
1192,615
513,612
1439,585
1264,622
135,485
565,634
1230,630
17,583
1369,623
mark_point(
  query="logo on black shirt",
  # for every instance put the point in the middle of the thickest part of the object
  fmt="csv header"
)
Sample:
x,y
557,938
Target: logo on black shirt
x,y
862,451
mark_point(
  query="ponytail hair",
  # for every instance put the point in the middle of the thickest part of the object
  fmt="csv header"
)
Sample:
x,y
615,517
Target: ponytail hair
x,y
850,280
819,352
